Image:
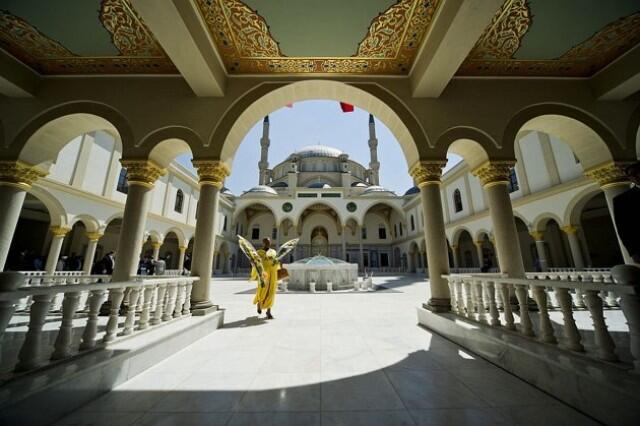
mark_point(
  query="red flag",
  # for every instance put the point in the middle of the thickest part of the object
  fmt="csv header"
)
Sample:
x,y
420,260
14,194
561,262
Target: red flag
x,y
346,107
289,105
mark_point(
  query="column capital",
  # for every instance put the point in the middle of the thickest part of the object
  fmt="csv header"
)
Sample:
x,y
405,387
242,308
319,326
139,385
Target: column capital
x,y
609,174
94,236
59,231
478,243
156,244
427,172
494,172
211,172
570,229
454,246
142,172
19,174
537,235
182,248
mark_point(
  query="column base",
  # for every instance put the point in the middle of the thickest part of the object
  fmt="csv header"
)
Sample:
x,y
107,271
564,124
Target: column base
x,y
204,307
438,305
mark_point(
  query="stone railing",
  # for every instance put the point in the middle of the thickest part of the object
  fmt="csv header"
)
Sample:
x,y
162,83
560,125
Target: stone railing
x,y
384,270
162,300
568,269
489,300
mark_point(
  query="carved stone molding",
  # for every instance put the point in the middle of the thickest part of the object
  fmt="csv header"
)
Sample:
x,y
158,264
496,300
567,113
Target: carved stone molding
x,y
19,174
570,229
493,172
59,231
211,172
427,172
94,236
142,172
537,235
609,174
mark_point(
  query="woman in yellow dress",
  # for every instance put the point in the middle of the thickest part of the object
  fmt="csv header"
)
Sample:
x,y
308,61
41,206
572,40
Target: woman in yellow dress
x,y
265,295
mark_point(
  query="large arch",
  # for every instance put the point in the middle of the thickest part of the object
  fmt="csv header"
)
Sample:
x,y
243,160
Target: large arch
x,y
165,144
472,144
267,97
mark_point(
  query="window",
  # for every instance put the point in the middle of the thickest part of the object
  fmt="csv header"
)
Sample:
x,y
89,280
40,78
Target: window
x,y
382,232
413,223
179,201
364,233
255,234
395,230
513,181
401,230
123,185
384,260
224,224
274,233
457,201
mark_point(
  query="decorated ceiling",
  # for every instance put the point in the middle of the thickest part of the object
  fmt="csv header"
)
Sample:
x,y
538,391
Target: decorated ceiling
x,y
566,38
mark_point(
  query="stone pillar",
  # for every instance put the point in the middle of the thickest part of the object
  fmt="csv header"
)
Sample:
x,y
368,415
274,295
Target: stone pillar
x,y
426,175
156,249
344,243
212,174
141,175
90,253
16,179
538,237
574,245
456,261
613,181
361,248
494,177
479,252
58,234
182,251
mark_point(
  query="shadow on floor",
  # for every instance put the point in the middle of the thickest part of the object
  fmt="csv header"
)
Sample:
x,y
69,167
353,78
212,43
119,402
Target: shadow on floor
x,y
247,322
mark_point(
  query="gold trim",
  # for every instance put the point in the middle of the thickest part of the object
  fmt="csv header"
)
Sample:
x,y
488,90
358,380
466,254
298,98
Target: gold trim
x,y
183,248
427,172
59,231
211,172
94,236
570,229
142,172
19,174
493,173
156,245
537,235
609,174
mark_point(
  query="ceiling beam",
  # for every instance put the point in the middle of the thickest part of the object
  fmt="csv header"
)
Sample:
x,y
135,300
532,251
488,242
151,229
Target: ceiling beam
x,y
16,79
620,79
455,29
182,33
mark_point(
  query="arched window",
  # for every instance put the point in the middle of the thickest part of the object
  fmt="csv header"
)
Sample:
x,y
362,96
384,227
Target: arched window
x,y
179,201
224,224
513,180
382,232
457,201
413,223
123,184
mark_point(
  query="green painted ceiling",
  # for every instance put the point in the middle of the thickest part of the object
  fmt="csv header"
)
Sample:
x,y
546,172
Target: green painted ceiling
x,y
559,25
319,28
73,23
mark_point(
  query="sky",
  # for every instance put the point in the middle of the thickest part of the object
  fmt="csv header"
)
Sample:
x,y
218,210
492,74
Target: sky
x,y
319,122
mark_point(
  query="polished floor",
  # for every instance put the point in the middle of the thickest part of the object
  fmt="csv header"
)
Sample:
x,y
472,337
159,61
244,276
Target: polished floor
x,y
327,359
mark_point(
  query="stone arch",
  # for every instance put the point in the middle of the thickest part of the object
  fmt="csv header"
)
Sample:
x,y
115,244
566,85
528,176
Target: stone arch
x,y
473,145
393,207
339,217
480,234
239,210
590,140
458,232
155,236
179,233
166,143
261,100
165,151
40,141
540,222
110,219
335,220
57,213
576,204
89,222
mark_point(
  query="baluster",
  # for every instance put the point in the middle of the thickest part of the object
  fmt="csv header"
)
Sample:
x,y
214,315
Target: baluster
x,y
160,302
9,282
115,295
546,329
571,332
95,300
468,298
549,294
629,276
146,306
134,295
30,355
494,315
65,334
177,312
172,291
525,320
186,308
482,313
604,342
508,313
460,297
452,293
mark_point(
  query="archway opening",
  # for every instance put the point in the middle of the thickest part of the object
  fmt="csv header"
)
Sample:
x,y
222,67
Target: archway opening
x,y
602,245
29,252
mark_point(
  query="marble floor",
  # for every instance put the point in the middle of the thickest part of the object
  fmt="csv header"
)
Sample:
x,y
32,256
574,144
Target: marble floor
x,y
327,359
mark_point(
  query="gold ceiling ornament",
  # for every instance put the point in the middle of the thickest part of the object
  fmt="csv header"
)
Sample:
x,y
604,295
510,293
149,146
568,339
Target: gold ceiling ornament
x,y
129,35
142,172
211,172
19,174
427,172
493,173
247,47
609,174
59,231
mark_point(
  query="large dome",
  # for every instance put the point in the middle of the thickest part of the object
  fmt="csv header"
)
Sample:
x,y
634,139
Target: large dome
x,y
261,190
317,151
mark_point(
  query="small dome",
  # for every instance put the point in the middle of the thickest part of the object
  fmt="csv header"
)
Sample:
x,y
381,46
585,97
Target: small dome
x,y
262,189
316,151
375,189
319,260
318,185
413,190
358,185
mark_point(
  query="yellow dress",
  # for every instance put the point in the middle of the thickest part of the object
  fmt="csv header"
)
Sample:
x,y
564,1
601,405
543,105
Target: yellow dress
x,y
266,295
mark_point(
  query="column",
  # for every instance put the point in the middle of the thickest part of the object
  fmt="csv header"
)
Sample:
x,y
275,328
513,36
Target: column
x,y
456,261
574,245
141,176
156,249
494,177
182,251
538,237
427,175
344,243
613,181
212,174
90,253
479,252
58,234
16,179
361,248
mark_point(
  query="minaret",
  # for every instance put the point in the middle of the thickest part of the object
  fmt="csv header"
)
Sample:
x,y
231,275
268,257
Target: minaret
x,y
263,165
374,165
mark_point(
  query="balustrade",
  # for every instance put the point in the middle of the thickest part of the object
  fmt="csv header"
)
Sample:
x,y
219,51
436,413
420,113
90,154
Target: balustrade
x,y
163,299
